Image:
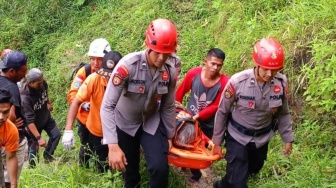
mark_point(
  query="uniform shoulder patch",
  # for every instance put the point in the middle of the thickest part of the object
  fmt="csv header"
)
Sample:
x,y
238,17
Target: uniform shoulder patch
x,y
229,91
122,71
117,79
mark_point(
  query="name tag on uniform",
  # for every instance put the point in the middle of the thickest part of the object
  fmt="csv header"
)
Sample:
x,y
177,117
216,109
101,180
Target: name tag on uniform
x,y
162,90
136,89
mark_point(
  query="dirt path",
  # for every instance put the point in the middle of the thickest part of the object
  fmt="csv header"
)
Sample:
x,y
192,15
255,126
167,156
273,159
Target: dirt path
x,y
208,177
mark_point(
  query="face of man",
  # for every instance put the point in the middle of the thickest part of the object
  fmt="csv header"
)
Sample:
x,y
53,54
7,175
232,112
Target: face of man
x,y
4,112
266,75
17,75
95,62
37,84
213,65
156,59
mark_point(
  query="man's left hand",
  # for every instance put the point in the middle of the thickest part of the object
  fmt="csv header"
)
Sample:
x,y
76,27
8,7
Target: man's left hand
x,y
50,106
19,122
42,142
287,151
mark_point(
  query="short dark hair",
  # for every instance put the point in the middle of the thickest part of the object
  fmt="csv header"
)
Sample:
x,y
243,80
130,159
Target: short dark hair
x,y
216,52
5,97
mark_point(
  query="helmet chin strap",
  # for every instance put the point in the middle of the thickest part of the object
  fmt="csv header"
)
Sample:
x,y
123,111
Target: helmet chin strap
x,y
258,75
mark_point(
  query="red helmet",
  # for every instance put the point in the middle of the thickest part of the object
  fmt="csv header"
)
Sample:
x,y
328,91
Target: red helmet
x,y
268,53
4,52
161,36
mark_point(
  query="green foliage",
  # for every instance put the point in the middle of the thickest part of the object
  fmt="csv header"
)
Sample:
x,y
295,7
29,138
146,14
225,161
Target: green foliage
x,y
320,74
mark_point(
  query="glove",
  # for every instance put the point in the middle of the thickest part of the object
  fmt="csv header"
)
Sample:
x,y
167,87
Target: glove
x,y
68,140
86,106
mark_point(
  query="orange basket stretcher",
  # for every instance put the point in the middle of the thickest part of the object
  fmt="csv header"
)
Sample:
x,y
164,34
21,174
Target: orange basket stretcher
x,y
197,155
198,158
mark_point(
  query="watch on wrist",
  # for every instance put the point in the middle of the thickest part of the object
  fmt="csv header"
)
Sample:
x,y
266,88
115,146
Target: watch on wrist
x,y
38,137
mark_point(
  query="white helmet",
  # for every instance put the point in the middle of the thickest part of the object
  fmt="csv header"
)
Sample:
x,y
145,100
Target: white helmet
x,y
99,47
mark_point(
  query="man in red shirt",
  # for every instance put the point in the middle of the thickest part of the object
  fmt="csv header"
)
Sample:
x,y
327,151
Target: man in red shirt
x,y
206,84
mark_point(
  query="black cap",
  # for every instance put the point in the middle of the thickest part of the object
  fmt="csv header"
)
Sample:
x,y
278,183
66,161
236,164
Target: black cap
x,y
110,60
13,59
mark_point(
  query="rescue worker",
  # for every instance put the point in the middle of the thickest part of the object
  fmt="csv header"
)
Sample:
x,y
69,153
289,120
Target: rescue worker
x,y
14,67
98,48
253,105
9,137
36,105
139,107
206,84
93,91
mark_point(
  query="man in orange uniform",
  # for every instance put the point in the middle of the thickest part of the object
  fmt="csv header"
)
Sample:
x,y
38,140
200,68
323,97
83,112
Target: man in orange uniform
x,y
93,91
98,48
9,137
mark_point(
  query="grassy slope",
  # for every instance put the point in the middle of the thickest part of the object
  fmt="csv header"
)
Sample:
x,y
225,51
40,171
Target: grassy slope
x,y
56,34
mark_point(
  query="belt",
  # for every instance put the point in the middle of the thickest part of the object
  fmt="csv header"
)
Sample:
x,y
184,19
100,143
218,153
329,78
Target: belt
x,y
251,132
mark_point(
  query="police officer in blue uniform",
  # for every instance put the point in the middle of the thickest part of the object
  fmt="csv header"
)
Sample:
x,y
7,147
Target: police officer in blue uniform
x,y
253,106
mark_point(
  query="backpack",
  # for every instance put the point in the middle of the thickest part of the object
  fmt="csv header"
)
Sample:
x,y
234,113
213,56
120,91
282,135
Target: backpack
x,y
87,70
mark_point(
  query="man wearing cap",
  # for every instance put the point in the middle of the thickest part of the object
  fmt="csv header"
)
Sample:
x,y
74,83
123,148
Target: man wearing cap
x,y
98,48
138,108
92,90
35,101
14,68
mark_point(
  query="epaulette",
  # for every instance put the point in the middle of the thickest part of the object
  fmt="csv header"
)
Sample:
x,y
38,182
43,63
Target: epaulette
x,y
281,77
132,58
241,76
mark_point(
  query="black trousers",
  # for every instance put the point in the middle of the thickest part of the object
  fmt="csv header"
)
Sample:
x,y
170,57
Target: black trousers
x,y
54,136
99,150
84,150
155,149
242,161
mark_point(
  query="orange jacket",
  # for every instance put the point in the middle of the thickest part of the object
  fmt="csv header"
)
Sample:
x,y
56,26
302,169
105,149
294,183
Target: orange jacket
x,y
93,90
79,78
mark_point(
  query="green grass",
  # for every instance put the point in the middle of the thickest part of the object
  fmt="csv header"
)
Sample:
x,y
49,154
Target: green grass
x,y
56,34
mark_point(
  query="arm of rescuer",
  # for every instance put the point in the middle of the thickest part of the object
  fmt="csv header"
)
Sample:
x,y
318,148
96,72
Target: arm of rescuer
x,y
76,83
227,100
79,78
83,94
12,146
115,86
211,110
167,109
284,121
29,114
13,116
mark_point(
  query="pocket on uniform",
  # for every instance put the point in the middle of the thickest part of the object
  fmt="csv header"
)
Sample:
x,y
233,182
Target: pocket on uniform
x,y
277,102
249,104
136,88
162,90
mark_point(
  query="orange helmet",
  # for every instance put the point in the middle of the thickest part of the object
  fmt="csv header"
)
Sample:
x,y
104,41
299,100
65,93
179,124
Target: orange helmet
x,y
4,52
268,53
161,36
